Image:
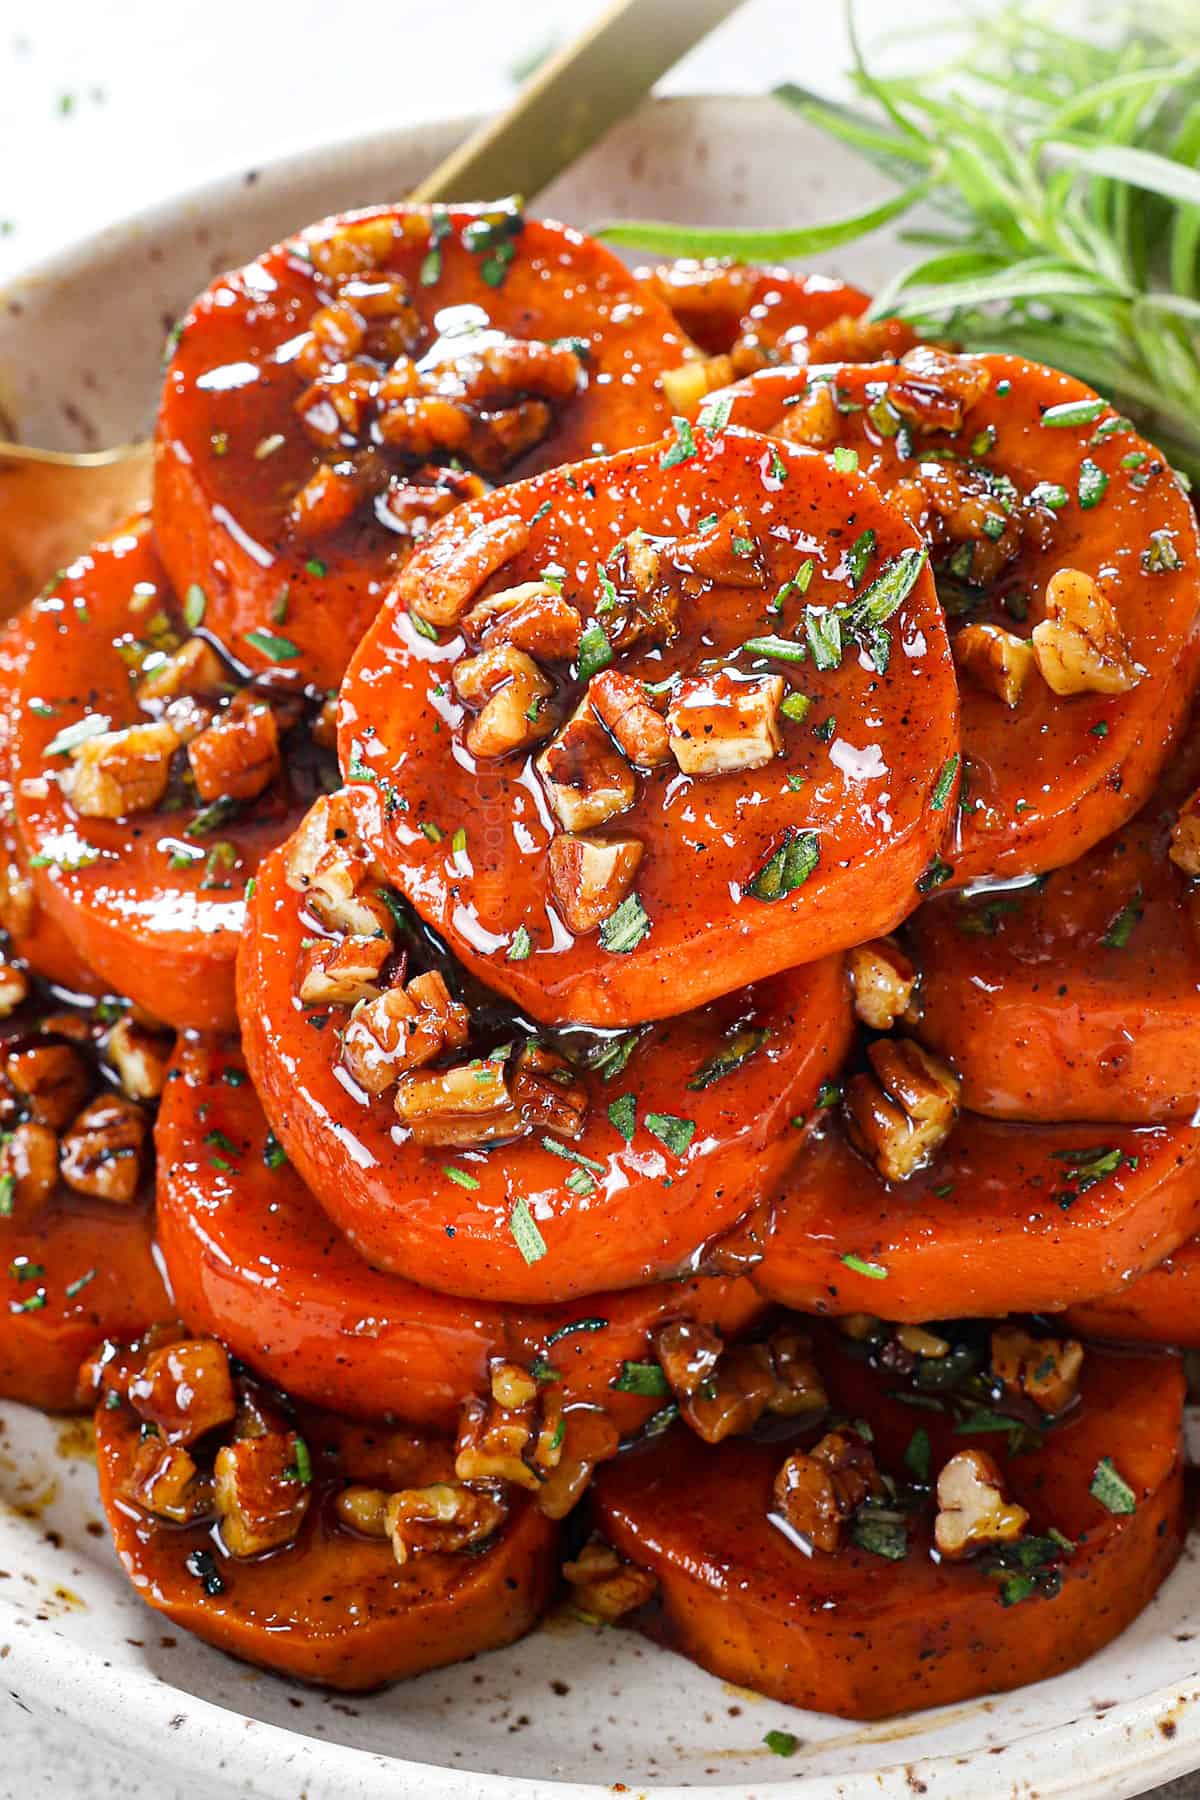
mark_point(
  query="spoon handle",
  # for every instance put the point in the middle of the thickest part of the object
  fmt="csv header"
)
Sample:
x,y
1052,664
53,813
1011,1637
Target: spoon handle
x,y
573,98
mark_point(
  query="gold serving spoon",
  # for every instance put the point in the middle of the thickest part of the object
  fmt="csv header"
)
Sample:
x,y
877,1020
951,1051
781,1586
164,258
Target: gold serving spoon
x,y
53,503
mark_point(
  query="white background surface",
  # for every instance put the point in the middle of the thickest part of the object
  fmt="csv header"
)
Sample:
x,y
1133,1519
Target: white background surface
x,y
105,108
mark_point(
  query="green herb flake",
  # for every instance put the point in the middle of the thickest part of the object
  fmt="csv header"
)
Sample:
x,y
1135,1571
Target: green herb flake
x,y
796,707
274,1155
72,736
675,1133
641,1378
1111,1489
1161,557
872,1270
882,1534
269,644
858,556
520,945
1074,412
684,447
744,1044
459,1177
780,649
622,1115
195,603
823,629
595,651
625,927
1121,930
714,416
787,868
845,460
944,783
422,627
782,1743
1050,493
527,1237
8,1190
918,1457
317,568
1093,484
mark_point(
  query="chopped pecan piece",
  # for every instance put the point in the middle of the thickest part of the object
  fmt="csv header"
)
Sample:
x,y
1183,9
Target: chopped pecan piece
x,y
185,1389
1185,837
814,420
718,723
331,495
533,617
342,971
883,980
818,1491
465,1106
505,1438
52,1078
856,338
728,552
688,1354
973,1510
139,1056
403,1029
621,704
511,693
163,1480
934,389
1044,1370
445,1518
440,582
586,778
238,755
996,660
918,1340
591,876
728,1396
604,1587
28,1167
14,987
549,1092
1080,646
120,772
102,1152
588,1437
687,385
353,249
195,668
900,1115
327,865
260,1497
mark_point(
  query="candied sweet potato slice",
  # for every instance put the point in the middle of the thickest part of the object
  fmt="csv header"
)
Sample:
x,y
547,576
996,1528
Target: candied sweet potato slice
x,y
230,1209
681,1127
877,1626
811,717
316,398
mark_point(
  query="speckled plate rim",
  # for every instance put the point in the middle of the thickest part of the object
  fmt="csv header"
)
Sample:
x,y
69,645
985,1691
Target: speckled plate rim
x,y
1107,1754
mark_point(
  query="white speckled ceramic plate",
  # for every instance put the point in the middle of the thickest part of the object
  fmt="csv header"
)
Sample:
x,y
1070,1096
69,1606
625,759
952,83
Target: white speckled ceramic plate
x,y
571,1714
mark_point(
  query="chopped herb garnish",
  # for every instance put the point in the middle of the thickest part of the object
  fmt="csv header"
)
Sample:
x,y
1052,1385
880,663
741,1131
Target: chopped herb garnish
x,y
316,567
787,868
595,651
1074,412
714,415
744,1044
641,1378
858,556
1111,1489
935,875
213,816
796,707
622,1115
781,649
684,447
195,602
624,928
1050,493
72,736
202,1564
576,1325
1161,556
823,629
1121,929
271,645
422,627
845,460
527,1237
8,1189
1093,484
872,1270
274,1154
799,583
782,1743
918,1457
520,945
431,263
674,1132
459,1176
884,1534
945,781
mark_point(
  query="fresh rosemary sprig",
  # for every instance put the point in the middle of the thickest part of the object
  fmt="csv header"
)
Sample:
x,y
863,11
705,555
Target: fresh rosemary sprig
x,y
1061,176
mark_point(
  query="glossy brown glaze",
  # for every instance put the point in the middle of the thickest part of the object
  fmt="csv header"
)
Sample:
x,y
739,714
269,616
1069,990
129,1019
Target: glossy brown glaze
x,y
860,774
254,1261
856,1634
222,500
1076,997
638,1211
333,1607
1048,778
153,901
1005,1218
